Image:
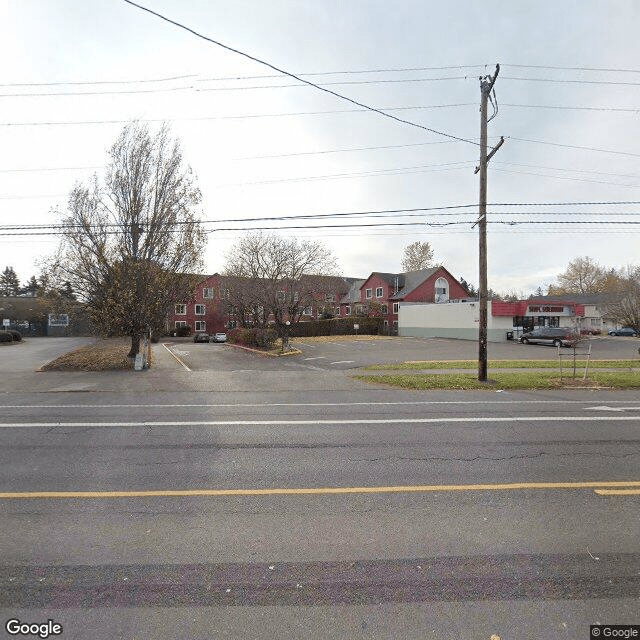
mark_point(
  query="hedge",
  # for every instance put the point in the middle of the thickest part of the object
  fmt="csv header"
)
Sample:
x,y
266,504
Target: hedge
x,y
6,336
256,338
337,327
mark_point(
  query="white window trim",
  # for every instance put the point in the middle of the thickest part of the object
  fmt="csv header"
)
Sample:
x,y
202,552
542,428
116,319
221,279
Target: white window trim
x,y
207,292
181,323
347,310
201,325
201,313
396,307
368,294
183,312
379,292
385,308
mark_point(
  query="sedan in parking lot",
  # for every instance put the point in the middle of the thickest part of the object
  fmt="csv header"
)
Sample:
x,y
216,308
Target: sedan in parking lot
x,y
558,337
219,337
625,331
201,337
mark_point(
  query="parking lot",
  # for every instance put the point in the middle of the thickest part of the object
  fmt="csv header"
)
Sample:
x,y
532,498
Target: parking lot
x,y
342,354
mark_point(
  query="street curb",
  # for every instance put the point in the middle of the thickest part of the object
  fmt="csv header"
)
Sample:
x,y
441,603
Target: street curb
x,y
293,352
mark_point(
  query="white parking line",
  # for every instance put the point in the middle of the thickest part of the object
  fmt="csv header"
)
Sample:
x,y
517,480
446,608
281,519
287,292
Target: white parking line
x,y
471,420
317,358
175,356
343,362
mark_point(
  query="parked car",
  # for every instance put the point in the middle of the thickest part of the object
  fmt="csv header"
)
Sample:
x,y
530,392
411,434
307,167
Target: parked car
x,y
219,337
625,331
557,336
201,337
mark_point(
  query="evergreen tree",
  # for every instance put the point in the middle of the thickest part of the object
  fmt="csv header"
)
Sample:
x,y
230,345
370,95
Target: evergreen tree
x,y
9,283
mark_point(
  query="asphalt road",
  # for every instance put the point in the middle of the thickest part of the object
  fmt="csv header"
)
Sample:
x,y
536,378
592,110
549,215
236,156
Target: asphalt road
x,y
376,514
340,355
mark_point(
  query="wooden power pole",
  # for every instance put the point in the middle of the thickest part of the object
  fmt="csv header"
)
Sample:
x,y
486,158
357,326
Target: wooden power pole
x,y
486,86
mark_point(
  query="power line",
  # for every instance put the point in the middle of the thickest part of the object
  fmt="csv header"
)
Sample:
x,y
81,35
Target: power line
x,y
372,225
96,82
442,208
425,168
564,81
572,108
571,178
298,78
197,77
233,117
573,146
539,66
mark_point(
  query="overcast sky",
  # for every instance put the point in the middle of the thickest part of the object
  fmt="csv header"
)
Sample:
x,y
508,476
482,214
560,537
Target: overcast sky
x,y
264,145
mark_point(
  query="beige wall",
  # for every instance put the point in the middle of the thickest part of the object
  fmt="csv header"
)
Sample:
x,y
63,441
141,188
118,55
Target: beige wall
x,y
452,320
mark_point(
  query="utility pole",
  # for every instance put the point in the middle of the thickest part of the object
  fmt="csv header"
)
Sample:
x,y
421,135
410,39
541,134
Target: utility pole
x,y
486,86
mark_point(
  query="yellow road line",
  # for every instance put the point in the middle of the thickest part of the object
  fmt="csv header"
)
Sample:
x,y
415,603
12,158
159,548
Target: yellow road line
x,y
516,486
618,492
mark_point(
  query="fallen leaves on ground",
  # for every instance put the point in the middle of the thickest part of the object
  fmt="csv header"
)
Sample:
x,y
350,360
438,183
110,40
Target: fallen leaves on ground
x,y
103,355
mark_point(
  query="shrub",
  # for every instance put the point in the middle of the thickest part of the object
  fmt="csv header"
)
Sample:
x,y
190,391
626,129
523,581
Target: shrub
x,y
181,332
17,336
255,338
6,336
336,327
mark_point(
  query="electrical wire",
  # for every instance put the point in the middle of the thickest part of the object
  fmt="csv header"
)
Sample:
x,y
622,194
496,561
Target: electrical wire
x,y
573,146
298,78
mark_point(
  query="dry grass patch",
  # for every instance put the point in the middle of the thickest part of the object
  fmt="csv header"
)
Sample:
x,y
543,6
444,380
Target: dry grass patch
x,y
103,355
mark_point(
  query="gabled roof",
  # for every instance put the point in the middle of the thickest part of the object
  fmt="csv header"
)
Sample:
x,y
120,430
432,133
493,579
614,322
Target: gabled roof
x,y
353,295
412,280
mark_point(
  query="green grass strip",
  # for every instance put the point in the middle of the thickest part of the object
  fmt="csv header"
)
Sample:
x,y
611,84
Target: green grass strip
x,y
505,364
510,380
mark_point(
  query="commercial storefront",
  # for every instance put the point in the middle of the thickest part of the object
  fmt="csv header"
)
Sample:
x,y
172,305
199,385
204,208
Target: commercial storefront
x,y
505,320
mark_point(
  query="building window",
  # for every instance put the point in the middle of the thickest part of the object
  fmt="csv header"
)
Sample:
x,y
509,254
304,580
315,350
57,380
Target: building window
x,y
379,292
296,296
385,308
181,310
208,292
181,323
201,325
396,307
200,310
280,296
347,310
330,297
308,311
442,290
368,295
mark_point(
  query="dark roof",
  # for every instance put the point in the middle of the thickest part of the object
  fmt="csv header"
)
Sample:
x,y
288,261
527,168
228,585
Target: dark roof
x,y
353,295
412,280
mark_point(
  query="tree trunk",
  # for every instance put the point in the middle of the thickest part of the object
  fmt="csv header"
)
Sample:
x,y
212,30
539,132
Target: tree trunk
x,y
135,346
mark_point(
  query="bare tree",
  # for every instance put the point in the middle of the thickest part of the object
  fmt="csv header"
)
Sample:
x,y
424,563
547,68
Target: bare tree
x,y
273,276
418,255
582,275
623,297
130,240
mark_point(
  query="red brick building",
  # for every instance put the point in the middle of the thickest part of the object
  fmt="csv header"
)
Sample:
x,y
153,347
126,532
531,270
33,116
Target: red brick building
x,y
382,293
